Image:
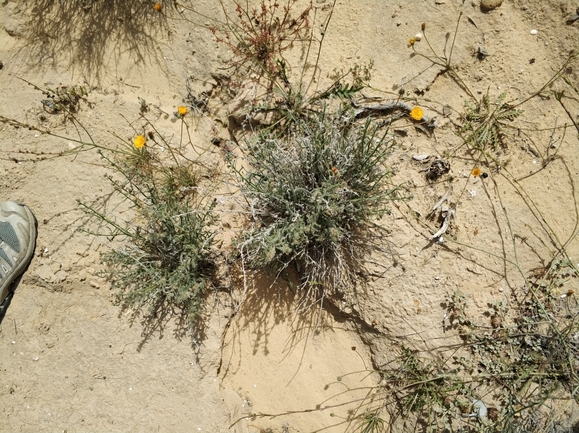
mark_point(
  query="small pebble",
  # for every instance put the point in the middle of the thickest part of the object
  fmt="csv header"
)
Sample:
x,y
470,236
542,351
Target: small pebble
x,y
489,5
534,32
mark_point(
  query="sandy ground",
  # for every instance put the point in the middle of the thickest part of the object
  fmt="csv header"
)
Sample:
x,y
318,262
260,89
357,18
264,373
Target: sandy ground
x,y
72,361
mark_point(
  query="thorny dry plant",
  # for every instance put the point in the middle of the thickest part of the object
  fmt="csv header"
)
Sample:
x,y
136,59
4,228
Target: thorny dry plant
x,y
258,38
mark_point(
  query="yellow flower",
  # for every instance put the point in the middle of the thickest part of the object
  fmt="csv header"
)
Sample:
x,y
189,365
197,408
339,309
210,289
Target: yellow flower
x,y
476,172
158,7
182,110
139,141
411,41
416,113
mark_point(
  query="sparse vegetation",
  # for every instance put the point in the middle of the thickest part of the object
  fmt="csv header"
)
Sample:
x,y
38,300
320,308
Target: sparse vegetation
x,y
64,99
515,371
314,180
504,377
164,264
485,122
258,38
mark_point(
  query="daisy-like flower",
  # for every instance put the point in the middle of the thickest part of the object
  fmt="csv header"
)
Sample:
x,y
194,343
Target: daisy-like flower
x,y
416,113
158,7
139,141
182,110
476,172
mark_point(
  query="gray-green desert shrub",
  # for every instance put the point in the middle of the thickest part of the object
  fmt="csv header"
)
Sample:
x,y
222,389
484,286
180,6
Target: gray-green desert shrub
x,y
164,263
314,195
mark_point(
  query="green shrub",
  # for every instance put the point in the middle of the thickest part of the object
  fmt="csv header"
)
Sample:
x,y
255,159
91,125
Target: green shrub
x,y
485,123
314,194
64,99
164,263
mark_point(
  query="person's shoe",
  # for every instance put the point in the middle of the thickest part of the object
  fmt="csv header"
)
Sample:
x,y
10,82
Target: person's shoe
x,y
17,242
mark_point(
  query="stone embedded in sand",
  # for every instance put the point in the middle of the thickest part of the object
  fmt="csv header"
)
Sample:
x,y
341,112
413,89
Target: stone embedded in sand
x,y
489,5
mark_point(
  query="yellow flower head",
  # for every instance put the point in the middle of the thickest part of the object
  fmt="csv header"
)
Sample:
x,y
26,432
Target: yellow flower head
x,y
139,141
476,172
416,113
182,110
411,41
158,7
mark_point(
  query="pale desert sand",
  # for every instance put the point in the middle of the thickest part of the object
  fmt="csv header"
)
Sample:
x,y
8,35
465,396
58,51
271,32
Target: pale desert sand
x,y
72,361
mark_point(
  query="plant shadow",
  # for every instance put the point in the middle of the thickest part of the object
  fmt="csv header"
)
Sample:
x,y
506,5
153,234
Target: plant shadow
x,y
161,317
270,303
91,35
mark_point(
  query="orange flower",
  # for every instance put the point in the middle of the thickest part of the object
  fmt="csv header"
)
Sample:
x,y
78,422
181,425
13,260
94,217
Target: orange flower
x,y
416,113
182,110
158,7
139,141
335,171
476,172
